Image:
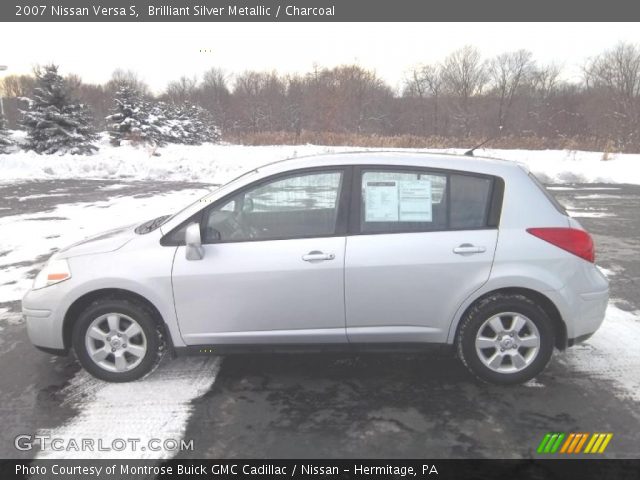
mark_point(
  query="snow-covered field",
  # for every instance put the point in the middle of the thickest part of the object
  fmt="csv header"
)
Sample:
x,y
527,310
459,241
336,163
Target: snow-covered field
x,y
218,163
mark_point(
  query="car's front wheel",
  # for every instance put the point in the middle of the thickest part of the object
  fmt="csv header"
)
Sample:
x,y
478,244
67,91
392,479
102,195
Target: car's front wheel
x,y
117,340
506,339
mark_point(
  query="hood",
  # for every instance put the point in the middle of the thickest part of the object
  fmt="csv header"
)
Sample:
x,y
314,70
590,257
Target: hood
x,y
101,243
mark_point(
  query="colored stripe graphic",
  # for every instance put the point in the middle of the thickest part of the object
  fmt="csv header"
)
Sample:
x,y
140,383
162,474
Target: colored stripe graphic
x,y
606,442
551,442
598,442
556,445
567,442
581,442
572,443
543,443
576,440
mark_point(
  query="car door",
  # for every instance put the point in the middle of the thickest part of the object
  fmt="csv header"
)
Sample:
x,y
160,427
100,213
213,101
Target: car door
x,y
425,241
273,265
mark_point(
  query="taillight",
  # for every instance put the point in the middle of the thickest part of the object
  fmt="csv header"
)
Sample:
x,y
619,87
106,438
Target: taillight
x,y
572,240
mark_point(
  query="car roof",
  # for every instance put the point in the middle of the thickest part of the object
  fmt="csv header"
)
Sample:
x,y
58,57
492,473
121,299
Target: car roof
x,y
447,161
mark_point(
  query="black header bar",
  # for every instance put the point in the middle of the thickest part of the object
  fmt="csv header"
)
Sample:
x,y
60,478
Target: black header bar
x,y
318,11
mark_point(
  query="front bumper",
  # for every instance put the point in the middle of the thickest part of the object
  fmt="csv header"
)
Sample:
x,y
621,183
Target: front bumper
x,y
44,319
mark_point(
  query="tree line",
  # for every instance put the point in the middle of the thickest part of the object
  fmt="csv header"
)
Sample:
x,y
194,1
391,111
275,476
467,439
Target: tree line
x,y
56,121
459,100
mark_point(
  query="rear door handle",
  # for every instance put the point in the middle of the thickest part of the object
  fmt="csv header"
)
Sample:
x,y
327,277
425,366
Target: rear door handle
x,y
317,256
467,249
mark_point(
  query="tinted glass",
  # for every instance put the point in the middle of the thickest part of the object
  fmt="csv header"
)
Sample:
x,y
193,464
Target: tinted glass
x,y
403,202
293,207
469,201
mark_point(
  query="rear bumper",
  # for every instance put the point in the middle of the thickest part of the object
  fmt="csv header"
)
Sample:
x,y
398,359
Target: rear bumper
x,y
583,313
590,313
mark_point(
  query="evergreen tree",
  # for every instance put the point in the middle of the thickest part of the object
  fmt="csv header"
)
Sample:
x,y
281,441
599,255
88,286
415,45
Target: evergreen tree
x,y
191,125
203,125
54,123
5,140
134,118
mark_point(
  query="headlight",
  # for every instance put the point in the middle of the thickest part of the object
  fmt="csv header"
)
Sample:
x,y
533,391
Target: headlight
x,y
53,272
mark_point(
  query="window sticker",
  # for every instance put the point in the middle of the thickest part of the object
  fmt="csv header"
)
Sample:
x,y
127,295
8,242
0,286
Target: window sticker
x,y
415,200
398,201
381,201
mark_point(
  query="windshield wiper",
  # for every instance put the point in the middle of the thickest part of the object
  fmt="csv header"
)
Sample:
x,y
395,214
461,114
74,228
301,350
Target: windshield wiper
x,y
151,225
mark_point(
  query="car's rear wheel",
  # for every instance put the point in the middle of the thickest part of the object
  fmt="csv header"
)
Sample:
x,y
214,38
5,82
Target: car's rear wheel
x,y
117,340
506,339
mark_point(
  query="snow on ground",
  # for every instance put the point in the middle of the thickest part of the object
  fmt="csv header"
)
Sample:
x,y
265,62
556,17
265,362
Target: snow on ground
x,y
219,163
586,214
153,411
612,353
30,238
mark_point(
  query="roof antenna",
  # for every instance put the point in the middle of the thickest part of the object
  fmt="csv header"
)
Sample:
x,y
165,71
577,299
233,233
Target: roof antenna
x,y
469,153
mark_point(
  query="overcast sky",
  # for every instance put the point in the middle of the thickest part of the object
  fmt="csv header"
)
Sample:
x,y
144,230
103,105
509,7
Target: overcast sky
x,y
161,52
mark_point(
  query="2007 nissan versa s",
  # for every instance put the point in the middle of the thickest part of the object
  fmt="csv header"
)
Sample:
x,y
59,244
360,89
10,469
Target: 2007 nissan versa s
x,y
363,250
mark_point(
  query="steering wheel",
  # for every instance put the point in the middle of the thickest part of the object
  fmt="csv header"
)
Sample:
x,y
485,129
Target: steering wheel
x,y
237,228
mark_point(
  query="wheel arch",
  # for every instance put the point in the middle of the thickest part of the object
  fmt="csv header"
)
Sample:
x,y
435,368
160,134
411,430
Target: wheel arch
x,y
559,326
85,300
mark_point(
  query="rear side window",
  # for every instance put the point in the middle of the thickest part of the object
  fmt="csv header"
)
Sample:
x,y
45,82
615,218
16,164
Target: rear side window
x,y
469,201
558,206
403,202
423,201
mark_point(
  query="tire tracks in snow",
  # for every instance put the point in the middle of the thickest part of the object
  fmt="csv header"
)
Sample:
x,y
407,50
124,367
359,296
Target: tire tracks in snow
x,y
157,406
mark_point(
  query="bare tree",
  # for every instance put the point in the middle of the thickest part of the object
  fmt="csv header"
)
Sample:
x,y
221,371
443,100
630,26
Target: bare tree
x,y
508,71
17,85
182,90
464,75
259,101
544,79
120,78
425,82
616,74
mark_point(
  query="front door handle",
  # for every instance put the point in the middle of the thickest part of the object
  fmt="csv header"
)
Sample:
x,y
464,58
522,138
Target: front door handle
x,y
317,256
467,249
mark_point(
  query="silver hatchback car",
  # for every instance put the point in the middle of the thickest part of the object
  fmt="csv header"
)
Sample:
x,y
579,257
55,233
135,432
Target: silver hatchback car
x,y
361,251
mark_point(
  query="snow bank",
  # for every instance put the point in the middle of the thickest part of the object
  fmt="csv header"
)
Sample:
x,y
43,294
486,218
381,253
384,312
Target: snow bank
x,y
219,163
207,163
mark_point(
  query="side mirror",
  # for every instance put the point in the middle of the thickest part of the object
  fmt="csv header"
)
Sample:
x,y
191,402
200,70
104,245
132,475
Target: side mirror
x,y
194,250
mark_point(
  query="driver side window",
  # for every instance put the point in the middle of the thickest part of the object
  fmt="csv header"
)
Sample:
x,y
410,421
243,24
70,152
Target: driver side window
x,y
297,206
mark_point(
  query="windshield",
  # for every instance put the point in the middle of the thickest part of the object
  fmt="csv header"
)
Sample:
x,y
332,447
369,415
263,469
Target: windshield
x,y
204,198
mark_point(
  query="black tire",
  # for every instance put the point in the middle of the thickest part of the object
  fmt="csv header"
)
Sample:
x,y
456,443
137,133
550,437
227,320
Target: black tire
x,y
487,308
134,310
